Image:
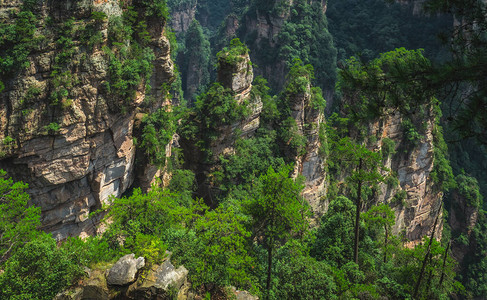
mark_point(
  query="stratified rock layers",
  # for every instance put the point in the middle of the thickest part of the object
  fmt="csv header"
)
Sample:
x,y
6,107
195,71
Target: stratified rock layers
x,y
74,168
413,164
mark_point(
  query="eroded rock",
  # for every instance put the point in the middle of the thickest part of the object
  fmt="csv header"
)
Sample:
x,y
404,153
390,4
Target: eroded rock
x,y
124,270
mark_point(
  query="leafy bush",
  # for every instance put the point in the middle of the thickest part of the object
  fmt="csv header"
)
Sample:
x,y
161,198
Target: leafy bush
x,y
234,53
292,137
388,147
18,221
89,251
158,130
468,187
399,197
39,270
52,128
410,132
442,173
16,42
303,277
334,238
141,219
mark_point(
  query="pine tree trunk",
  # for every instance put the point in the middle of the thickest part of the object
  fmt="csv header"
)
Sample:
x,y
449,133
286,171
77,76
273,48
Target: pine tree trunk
x,y
423,266
357,216
269,267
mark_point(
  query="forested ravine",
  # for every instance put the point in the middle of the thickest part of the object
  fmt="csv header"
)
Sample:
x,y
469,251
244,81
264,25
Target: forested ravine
x,y
243,149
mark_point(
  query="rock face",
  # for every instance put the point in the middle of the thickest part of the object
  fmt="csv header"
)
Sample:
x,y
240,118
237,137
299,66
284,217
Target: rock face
x,y
413,164
182,16
265,27
77,152
236,78
311,163
462,219
160,280
124,270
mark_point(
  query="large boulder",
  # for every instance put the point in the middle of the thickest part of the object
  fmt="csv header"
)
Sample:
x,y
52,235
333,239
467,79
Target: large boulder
x,y
161,280
124,270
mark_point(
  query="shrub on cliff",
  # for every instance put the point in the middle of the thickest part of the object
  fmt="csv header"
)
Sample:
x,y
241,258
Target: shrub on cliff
x,y
18,223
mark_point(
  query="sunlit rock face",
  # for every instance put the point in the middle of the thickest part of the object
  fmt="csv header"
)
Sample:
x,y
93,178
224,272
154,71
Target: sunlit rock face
x,y
77,153
413,164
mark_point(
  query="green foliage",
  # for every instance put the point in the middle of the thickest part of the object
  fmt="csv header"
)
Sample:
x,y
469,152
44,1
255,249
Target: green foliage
x,y
392,181
475,265
224,259
252,158
129,58
304,35
410,132
91,34
218,107
468,187
16,42
141,219
89,251
334,238
367,29
234,53
52,128
299,78
298,276
270,111
388,147
292,137
183,182
298,85
62,83
317,100
277,212
158,130
7,141
156,9
379,220
195,62
399,197
18,221
442,173
387,84
276,208
38,270
213,109
353,155
465,68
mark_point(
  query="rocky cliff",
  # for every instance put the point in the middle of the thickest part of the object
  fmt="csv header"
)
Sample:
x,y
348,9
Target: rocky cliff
x,y
227,111
309,161
410,190
182,15
66,119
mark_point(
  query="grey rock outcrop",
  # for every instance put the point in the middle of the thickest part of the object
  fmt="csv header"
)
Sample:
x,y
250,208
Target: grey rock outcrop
x,y
157,283
311,164
93,287
160,280
182,15
413,164
124,270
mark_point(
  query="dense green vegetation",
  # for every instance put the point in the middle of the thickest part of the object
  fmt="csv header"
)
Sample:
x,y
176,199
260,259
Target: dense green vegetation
x,y
195,61
368,28
254,231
